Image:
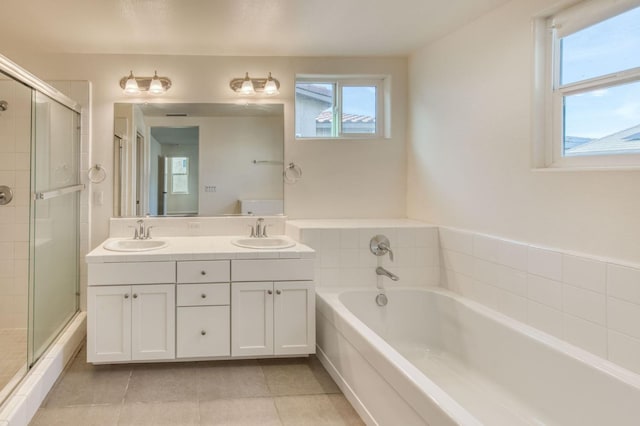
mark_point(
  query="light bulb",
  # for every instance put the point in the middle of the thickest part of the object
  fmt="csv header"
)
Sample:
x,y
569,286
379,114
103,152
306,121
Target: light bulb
x,y
247,88
270,87
131,86
155,87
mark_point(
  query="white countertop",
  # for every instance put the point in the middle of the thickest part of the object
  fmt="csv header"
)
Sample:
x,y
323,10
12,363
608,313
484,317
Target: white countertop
x,y
197,248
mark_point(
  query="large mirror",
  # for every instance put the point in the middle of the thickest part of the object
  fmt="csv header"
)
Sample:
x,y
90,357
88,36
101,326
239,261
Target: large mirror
x,y
198,159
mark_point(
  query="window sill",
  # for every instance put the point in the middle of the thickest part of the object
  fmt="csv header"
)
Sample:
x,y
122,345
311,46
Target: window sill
x,y
552,169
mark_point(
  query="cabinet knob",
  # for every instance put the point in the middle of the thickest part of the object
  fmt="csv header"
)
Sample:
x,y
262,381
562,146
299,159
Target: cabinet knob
x,y
203,332
126,296
278,292
203,272
135,296
204,296
269,292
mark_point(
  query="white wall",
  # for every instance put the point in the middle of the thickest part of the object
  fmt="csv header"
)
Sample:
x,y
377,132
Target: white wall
x,y
346,178
470,144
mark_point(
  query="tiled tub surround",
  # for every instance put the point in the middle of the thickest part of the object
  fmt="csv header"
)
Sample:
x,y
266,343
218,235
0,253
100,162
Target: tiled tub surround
x,y
343,257
589,302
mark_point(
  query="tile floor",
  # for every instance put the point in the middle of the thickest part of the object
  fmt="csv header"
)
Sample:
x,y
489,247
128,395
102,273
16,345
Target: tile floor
x,y
13,353
294,391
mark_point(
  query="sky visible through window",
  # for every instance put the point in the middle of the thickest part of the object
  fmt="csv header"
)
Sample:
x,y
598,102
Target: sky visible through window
x,y
610,46
359,100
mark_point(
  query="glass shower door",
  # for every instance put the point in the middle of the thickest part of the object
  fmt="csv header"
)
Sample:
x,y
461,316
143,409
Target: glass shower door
x,y
55,229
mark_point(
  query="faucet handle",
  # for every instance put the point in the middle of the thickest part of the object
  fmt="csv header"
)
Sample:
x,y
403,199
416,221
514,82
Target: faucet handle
x,y
260,227
147,234
379,245
385,247
253,231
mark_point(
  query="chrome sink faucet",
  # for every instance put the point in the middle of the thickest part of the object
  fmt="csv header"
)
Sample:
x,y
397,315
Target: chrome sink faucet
x,y
259,230
381,271
141,232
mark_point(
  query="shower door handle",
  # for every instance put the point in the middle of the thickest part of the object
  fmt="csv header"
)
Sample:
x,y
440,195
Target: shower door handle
x,y
57,192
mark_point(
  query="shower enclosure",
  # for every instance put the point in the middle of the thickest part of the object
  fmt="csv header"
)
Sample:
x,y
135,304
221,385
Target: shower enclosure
x,y
39,219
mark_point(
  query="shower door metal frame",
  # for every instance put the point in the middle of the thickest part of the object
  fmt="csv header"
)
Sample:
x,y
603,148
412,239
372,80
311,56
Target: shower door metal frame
x,y
16,72
20,75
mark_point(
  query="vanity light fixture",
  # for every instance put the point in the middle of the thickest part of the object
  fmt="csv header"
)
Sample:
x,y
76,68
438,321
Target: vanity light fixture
x,y
136,85
248,86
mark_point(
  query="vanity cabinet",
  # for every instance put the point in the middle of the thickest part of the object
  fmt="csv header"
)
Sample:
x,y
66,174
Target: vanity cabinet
x,y
272,307
273,318
131,322
200,309
203,311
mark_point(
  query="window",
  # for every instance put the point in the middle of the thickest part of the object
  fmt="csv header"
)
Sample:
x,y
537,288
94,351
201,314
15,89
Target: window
x,y
179,175
339,107
592,78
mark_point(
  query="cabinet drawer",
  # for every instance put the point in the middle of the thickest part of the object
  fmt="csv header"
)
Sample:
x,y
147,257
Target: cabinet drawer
x,y
272,270
203,331
203,294
132,273
203,271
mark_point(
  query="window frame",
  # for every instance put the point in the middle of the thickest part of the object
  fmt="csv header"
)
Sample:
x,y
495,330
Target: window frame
x,y
174,174
549,94
379,82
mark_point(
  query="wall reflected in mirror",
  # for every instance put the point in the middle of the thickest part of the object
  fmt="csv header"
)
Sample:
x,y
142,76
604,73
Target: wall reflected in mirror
x,y
198,159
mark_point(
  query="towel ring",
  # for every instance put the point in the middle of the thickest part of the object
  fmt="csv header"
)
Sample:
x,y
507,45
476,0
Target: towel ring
x,y
292,173
97,174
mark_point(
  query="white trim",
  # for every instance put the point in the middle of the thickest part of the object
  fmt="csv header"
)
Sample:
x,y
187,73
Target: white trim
x,y
380,82
549,95
587,13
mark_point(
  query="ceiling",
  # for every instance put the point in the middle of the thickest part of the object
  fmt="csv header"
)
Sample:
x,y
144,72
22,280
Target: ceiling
x,y
233,27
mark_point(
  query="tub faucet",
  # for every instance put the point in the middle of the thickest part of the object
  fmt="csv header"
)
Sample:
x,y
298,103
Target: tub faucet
x,y
381,271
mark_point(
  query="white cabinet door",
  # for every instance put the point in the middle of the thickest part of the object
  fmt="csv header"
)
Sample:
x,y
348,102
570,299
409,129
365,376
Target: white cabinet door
x,y
251,318
153,322
294,318
109,324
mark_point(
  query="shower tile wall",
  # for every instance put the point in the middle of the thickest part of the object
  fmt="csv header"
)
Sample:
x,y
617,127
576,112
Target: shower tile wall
x,y
15,139
589,302
343,257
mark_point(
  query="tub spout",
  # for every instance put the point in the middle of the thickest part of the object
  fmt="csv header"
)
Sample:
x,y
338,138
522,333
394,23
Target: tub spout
x,y
381,271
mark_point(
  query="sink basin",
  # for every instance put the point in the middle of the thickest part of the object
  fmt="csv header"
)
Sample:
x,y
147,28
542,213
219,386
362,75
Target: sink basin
x,y
135,245
264,243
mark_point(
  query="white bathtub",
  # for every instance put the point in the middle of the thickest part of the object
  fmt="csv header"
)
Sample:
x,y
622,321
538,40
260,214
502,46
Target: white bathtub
x,y
432,357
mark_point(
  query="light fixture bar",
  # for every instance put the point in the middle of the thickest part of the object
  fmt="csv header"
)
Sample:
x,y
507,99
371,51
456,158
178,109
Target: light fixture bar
x,y
144,83
259,84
